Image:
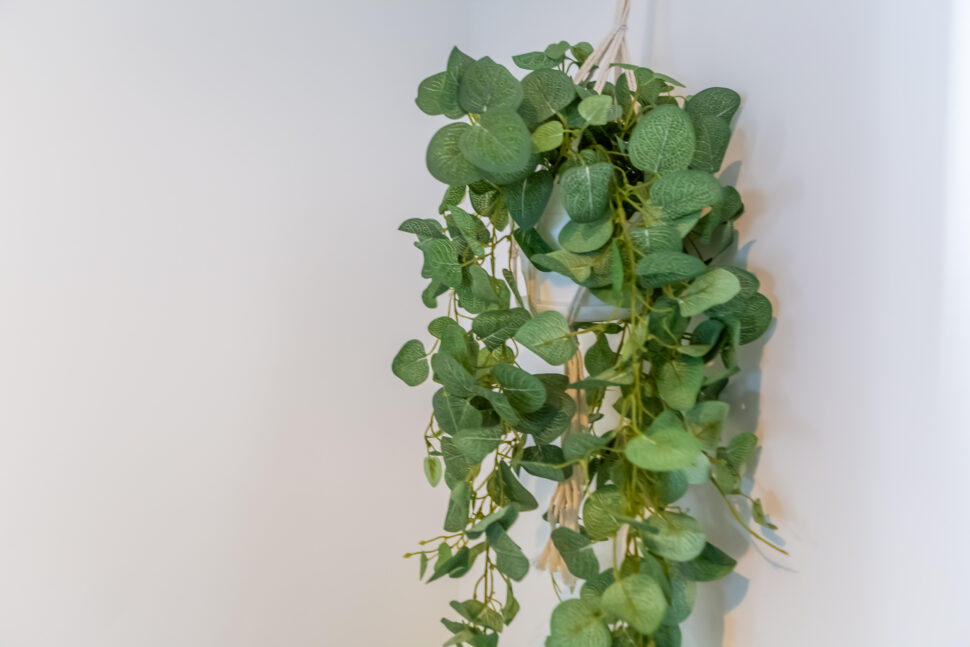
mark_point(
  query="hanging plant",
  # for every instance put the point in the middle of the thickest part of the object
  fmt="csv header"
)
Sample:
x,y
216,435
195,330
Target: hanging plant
x,y
637,421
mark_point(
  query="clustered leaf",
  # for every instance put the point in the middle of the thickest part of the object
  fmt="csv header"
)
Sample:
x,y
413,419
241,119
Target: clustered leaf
x,y
633,167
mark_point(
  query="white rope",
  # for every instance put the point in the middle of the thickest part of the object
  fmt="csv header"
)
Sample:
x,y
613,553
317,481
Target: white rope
x,y
612,49
563,511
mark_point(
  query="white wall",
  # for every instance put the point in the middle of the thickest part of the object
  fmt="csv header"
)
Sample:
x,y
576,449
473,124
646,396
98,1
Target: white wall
x,y
201,286
201,443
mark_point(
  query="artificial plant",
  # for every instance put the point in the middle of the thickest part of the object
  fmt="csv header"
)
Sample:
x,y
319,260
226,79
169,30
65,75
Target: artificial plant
x,y
635,166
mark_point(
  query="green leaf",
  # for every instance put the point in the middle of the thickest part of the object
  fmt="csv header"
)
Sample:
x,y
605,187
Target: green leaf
x,y
581,51
699,471
423,228
440,261
674,536
586,191
433,96
557,50
534,61
663,140
684,192
478,442
545,92
527,199
666,446
495,326
716,102
453,413
514,490
546,335
758,514
669,486
600,512
600,356
479,613
657,238
577,552
705,420
524,391
583,237
511,607
638,600
579,446
679,381
715,287
755,318
548,136
575,623
660,268
509,558
551,420
543,461
444,159
712,135
452,375
712,564
486,85
741,448
432,470
680,600
411,363
597,109
575,266
498,143
458,501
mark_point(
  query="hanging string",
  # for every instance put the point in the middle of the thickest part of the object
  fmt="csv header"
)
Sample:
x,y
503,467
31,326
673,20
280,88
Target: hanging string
x,y
612,49
563,511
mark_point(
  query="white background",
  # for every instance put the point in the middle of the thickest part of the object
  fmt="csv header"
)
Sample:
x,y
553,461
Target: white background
x,y
201,285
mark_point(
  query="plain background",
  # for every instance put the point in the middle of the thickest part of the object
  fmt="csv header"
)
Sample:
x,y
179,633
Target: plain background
x,y
201,443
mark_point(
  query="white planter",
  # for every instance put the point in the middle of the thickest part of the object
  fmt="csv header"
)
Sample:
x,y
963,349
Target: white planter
x,y
551,291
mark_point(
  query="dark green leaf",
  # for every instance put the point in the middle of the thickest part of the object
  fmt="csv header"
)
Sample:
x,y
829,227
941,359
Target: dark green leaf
x,y
585,189
527,199
486,85
498,143
445,160
546,336
663,140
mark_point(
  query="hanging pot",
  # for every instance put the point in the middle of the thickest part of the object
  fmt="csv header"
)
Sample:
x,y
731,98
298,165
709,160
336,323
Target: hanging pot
x,y
552,291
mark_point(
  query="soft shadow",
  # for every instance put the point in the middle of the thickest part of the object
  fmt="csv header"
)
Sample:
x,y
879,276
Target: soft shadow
x,y
706,625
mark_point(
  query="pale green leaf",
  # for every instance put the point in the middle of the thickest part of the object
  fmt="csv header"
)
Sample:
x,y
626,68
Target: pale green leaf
x,y
638,600
548,136
705,420
665,447
597,109
715,287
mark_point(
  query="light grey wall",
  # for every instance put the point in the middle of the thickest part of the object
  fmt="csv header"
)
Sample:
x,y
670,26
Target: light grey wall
x,y
201,443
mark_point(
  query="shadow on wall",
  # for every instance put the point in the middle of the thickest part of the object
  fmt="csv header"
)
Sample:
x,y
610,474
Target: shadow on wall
x,y
706,625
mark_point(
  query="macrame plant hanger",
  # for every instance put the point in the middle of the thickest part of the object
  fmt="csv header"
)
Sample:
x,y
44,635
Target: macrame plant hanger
x,y
563,508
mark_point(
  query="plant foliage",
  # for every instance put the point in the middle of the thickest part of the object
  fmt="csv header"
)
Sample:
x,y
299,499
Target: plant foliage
x,y
648,219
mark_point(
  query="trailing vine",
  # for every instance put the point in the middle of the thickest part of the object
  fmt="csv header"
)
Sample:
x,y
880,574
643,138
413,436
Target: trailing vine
x,y
634,166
